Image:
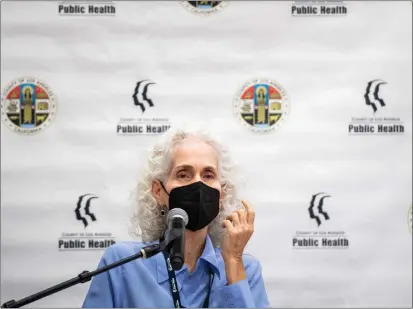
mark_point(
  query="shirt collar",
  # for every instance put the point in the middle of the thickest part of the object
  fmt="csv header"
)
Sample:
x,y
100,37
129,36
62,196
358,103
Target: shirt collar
x,y
208,255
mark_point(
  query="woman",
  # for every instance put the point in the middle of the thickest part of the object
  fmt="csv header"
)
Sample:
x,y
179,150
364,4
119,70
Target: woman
x,y
193,172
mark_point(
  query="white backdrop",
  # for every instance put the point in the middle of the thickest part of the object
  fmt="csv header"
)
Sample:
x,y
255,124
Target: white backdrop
x,y
199,63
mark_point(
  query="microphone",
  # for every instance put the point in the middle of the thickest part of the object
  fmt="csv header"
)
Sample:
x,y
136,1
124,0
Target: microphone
x,y
176,219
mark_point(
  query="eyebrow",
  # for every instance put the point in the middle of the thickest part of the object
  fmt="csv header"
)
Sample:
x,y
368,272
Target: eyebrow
x,y
186,166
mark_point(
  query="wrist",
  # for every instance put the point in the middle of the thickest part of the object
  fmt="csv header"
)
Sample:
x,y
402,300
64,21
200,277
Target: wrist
x,y
232,259
234,268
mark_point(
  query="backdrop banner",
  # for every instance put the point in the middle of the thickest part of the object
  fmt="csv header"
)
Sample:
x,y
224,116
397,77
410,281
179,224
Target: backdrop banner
x,y
313,99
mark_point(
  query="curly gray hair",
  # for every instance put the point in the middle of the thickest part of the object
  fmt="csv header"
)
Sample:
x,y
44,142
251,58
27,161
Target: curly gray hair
x,y
147,222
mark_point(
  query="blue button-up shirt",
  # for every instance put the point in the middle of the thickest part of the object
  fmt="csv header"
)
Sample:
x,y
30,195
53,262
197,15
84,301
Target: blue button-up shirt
x,y
145,283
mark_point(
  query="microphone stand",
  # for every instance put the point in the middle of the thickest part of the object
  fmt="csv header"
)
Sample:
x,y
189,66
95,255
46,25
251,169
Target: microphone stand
x,y
85,276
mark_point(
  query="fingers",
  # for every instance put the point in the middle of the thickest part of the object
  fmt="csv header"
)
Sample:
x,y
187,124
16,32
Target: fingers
x,y
242,215
239,227
228,225
250,212
234,218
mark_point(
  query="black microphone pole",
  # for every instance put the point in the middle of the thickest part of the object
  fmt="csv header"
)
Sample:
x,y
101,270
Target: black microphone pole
x,y
175,248
177,220
85,276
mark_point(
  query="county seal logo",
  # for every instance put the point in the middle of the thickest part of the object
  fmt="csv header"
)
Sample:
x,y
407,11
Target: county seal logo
x,y
204,7
262,105
28,105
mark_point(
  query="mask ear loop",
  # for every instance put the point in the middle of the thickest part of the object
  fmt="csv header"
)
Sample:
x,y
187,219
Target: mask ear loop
x,y
163,187
163,210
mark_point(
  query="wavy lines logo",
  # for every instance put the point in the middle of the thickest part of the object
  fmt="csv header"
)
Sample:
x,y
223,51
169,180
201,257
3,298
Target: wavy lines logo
x,y
83,204
319,238
87,236
140,95
142,100
28,105
317,212
376,102
204,7
372,94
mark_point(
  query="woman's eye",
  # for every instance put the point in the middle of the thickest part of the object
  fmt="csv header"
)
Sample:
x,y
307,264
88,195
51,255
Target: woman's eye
x,y
209,176
182,175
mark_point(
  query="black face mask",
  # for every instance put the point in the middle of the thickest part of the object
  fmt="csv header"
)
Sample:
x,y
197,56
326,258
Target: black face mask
x,y
201,203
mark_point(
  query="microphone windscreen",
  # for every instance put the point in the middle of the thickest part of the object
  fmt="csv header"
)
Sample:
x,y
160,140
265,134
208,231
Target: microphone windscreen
x,y
178,212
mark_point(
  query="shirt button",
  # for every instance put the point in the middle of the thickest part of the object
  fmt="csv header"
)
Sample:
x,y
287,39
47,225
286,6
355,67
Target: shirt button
x,y
228,297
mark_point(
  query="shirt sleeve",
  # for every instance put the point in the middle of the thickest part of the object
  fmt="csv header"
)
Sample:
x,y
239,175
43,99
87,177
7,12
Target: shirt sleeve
x,y
103,288
249,293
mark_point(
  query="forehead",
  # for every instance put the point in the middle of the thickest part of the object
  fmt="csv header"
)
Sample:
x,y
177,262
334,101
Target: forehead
x,y
194,152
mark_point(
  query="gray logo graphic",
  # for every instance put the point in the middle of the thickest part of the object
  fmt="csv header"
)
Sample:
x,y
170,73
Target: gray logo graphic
x,y
372,94
84,203
318,199
140,97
